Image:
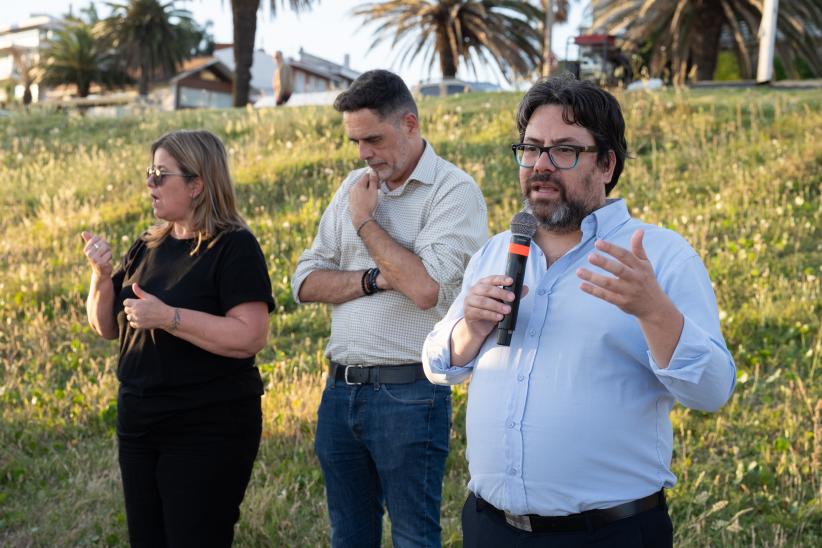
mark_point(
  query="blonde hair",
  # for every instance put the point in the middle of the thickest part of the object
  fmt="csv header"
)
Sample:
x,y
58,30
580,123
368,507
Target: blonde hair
x,y
200,153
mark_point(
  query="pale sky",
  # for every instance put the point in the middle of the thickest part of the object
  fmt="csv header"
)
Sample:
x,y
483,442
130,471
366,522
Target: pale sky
x,y
329,31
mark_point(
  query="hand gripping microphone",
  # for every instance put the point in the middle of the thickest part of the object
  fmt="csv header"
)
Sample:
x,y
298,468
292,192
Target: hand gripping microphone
x,y
523,227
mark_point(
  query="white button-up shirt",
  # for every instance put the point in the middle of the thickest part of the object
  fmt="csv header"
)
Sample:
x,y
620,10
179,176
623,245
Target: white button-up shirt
x,y
439,215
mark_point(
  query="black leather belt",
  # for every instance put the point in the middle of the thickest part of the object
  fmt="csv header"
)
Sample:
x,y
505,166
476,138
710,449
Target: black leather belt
x,y
588,520
376,374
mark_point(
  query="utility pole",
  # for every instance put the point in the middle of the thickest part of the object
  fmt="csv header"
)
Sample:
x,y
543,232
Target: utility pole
x,y
548,6
767,40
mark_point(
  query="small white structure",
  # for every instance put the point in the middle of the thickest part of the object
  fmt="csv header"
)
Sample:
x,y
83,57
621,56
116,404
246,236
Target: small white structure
x,y
262,68
25,39
767,40
314,74
316,80
203,83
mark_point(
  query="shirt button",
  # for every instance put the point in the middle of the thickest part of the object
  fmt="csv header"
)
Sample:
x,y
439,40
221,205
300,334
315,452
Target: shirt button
x,y
513,471
520,378
541,292
511,424
532,333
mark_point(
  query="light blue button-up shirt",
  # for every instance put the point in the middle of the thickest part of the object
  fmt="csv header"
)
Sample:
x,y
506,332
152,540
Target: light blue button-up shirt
x,y
574,414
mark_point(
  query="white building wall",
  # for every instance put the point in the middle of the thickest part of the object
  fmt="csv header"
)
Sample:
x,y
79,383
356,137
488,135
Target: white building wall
x,y
262,68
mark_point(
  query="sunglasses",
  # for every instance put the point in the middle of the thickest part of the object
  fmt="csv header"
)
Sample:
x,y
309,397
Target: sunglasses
x,y
154,174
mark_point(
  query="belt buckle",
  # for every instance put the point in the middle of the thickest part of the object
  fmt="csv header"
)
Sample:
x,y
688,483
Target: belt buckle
x,y
523,523
345,375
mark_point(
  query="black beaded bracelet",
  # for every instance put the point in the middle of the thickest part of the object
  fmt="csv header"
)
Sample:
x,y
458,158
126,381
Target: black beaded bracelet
x,y
372,281
364,282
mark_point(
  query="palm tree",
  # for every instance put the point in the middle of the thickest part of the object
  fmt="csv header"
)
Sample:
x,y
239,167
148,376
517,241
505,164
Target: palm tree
x,y
80,54
683,33
502,31
245,28
148,34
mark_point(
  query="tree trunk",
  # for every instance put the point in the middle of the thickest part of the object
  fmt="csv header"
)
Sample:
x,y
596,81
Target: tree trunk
x,y
142,85
245,27
548,6
83,87
448,64
708,20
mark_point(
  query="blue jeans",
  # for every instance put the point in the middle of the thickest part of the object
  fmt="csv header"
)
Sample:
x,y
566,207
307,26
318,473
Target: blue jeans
x,y
378,445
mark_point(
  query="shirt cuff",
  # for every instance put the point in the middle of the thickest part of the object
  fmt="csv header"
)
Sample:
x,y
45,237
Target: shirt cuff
x,y
297,283
690,356
436,355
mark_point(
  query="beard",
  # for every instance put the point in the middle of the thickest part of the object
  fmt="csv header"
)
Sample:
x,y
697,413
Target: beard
x,y
563,214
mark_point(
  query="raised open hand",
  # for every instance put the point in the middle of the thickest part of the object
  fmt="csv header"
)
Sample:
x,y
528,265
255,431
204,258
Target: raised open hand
x,y
633,288
98,253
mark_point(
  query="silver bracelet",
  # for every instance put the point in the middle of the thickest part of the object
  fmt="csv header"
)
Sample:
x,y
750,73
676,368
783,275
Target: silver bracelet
x,y
175,322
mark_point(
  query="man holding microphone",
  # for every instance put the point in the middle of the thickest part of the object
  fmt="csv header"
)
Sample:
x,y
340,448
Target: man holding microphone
x,y
569,439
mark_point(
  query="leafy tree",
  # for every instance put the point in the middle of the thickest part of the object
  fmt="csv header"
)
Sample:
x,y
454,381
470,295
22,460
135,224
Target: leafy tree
x,y
26,71
245,28
500,31
152,36
88,14
683,34
80,54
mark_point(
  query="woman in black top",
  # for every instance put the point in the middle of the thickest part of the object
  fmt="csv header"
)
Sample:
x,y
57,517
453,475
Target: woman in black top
x,y
189,304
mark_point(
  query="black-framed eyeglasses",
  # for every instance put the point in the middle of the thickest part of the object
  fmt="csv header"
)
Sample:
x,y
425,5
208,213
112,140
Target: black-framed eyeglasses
x,y
561,156
154,174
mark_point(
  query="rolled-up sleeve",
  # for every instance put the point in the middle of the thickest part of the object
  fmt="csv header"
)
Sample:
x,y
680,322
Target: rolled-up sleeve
x,y
324,253
701,373
436,352
456,227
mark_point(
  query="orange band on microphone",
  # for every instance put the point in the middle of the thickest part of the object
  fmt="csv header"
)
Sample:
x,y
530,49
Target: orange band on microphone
x,y
519,249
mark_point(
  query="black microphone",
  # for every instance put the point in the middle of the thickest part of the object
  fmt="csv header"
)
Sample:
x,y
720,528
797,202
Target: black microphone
x,y
523,227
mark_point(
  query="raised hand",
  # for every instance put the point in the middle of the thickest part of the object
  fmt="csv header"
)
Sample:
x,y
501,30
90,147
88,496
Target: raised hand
x,y
486,303
635,291
633,288
98,253
363,197
147,311
484,306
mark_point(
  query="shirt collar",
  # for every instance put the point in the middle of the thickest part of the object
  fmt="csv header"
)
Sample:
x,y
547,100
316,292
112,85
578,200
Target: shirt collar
x,y
424,172
606,219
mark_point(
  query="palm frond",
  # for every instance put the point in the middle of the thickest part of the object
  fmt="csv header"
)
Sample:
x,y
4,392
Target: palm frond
x,y
666,30
502,32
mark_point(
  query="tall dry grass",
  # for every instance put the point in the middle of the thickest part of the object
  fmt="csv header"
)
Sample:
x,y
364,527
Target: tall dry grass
x,y
738,173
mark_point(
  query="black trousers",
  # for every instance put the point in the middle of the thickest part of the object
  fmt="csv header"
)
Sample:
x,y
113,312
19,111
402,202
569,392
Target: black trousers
x,y
185,479
484,529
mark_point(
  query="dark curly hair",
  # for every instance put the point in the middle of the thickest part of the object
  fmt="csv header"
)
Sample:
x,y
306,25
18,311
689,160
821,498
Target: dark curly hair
x,y
586,105
378,90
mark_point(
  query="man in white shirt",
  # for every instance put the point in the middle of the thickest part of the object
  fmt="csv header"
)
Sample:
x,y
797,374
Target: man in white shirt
x,y
389,256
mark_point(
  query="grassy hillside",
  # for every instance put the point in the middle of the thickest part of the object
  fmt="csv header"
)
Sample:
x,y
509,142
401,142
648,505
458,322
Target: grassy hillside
x,y
738,173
